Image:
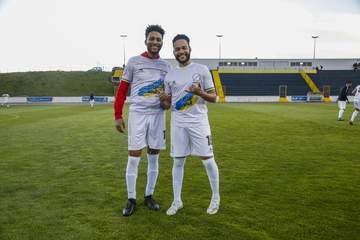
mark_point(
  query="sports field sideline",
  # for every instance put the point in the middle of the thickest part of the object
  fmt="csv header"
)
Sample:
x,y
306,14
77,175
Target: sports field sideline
x,y
287,171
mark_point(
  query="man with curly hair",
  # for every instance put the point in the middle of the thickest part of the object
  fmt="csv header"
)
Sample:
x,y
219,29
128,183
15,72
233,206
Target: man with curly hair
x,y
146,122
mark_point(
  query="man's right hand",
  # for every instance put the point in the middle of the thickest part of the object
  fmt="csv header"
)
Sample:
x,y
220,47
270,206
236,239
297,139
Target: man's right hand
x,y
120,125
165,99
162,95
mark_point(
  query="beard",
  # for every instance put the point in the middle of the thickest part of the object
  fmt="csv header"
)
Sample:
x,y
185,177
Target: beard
x,y
186,59
153,52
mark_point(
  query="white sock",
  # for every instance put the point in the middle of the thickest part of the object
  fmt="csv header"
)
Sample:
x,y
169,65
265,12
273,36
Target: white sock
x,y
341,112
213,174
152,173
178,175
354,115
131,175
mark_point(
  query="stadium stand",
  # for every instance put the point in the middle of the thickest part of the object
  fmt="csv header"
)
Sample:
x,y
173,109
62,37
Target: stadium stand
x,y
249,84
335,79
263,77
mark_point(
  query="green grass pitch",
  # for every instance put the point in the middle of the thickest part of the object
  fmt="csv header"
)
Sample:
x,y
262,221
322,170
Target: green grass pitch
x,y
287,171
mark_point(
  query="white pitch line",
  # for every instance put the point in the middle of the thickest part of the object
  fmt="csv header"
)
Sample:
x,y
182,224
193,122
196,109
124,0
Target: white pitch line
x,y
15,117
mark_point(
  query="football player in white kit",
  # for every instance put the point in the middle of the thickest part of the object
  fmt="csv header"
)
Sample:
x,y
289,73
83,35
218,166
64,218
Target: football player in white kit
x,y
355,92
5,97
146,123
187,89
92,99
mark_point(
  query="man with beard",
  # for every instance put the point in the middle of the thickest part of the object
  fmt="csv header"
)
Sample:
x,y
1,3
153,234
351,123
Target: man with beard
x,y
187,89
146,122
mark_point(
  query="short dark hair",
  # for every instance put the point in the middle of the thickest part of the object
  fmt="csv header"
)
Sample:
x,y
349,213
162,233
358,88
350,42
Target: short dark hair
x,y
156,28
349,82
181,36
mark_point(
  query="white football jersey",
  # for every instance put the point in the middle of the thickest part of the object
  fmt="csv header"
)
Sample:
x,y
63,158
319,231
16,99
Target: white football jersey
x,y
188,109
5,95
145,75
357,94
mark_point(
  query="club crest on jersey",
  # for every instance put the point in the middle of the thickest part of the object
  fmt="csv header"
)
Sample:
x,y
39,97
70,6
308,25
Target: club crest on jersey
x,y
196,78
150,90
186,102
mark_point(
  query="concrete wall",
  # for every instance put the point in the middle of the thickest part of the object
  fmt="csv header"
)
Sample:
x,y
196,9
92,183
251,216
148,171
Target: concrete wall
x,y
15,100
328,64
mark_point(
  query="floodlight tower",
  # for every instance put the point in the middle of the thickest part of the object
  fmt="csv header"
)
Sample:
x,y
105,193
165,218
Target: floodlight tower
x,y
124,36
219,36
315,37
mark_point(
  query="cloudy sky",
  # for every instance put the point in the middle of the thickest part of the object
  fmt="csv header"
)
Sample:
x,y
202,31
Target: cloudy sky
x,y
71,35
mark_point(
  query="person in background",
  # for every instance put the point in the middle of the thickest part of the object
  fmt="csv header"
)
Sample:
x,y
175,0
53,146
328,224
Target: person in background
x,y
355,66
146,122
5,97
356,93
343,99
92,99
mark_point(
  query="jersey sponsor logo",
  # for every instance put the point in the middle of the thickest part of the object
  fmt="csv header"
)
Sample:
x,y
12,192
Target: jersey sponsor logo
x,y
150,90
186,102
139,70
172,84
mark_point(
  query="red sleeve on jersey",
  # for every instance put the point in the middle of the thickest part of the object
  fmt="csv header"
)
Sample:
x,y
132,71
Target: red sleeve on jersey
x,y
120,99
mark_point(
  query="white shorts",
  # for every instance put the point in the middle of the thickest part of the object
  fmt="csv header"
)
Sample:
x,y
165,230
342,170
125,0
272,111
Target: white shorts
x,y
198,137
146,130
357,103
92,101
342,104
